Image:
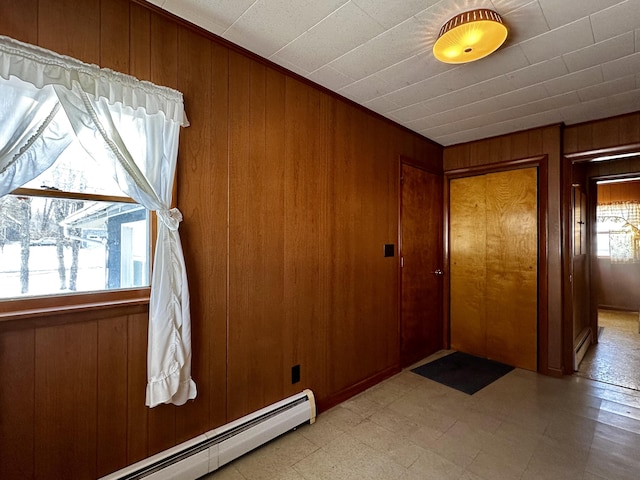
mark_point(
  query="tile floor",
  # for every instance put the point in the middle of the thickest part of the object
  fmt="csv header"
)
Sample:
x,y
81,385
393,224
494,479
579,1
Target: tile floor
x,y
615,359
523,426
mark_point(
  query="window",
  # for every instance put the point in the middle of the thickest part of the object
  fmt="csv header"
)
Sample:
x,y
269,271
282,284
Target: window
x,y
129,129
617,232
71,230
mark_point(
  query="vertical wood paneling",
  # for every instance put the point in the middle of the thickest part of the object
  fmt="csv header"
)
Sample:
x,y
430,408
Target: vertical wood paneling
x,y
619,192
66,399
629,129
195,69
164,51
305,227
362,312
600,134
19,20
140,42
137,412
17,408
114,35
71,28
552,350
217,313
343,366
112,395
256,242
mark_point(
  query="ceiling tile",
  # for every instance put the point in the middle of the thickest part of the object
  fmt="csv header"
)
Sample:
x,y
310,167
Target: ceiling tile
x,y
337,34
621,67
559,13
616,20
381,105
499,63
537,73
331,78
604,89
574,81
411,112
255,30
559,41
446,82
525,22
519,97
216,18
366,89
470,95
600,52
390,13
393,46
413,70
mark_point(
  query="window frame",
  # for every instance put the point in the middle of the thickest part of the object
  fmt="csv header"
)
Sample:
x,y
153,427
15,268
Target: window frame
x,y
56,303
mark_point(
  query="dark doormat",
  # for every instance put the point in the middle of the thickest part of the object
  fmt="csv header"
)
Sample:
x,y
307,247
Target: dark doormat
x,y
463,372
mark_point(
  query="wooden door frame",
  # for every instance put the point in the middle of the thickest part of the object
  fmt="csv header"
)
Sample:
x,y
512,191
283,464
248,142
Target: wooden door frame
x,y
404,160
541,163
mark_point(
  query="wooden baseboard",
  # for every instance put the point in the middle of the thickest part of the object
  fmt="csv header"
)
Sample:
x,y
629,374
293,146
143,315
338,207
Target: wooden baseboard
x,y
326,403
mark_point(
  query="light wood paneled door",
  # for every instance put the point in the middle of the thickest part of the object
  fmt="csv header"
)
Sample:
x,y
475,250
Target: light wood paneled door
x,y
494,266
421,251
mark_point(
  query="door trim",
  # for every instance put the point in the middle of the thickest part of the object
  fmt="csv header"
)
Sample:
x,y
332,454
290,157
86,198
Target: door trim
x,y
541,163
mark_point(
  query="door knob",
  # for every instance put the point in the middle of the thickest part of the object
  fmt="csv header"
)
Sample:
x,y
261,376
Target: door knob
x,y
438,272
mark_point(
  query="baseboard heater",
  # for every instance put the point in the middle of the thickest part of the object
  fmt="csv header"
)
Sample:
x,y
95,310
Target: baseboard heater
x,y
208,452
581,347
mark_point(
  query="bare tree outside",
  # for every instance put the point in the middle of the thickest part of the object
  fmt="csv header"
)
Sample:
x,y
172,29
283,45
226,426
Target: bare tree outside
x,y
24,214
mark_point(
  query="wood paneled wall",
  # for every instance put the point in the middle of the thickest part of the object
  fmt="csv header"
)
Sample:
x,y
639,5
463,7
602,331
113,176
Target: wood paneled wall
x,y
619,192
288,193
522,145
602,134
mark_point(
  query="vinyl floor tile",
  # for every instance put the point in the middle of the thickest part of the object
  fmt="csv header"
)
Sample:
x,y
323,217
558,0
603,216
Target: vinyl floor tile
x,y
523,426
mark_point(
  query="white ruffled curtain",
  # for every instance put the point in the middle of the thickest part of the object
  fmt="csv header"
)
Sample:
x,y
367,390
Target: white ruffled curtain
x,y
130,129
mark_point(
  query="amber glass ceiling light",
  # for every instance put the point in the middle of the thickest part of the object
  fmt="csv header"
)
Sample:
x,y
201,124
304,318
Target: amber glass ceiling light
x,y
470,36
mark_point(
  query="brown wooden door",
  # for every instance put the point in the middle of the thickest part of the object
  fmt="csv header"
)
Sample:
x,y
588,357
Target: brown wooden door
x,y
421,257
493,266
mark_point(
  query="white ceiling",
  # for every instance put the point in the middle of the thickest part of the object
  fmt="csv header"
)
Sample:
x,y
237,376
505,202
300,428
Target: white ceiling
x,y
564,60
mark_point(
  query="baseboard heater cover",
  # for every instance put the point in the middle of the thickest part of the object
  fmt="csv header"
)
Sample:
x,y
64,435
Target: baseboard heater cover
x,y
208,452
582,345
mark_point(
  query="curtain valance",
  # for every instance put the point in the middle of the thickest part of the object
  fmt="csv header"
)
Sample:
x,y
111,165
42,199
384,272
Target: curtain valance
x,y
42,67
130,129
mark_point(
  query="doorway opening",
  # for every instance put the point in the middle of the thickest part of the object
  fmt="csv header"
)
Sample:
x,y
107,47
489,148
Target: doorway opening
x,y
609,305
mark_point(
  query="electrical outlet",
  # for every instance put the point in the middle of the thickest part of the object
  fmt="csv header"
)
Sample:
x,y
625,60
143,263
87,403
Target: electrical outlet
x,y
295,374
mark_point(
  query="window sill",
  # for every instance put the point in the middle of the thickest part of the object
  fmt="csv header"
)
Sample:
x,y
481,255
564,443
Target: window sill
x,y
27,313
